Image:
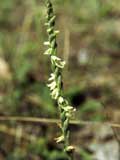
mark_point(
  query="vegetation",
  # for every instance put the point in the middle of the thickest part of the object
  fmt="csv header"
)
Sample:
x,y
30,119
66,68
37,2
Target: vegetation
x,y
89,43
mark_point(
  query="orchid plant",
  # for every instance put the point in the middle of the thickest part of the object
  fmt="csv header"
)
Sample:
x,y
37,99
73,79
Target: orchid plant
x,y
55,82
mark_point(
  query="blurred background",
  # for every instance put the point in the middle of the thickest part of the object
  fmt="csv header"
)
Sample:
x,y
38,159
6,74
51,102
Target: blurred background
x,y
89,41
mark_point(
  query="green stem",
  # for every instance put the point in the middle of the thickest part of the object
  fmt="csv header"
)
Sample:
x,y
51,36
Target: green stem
x,y
55,79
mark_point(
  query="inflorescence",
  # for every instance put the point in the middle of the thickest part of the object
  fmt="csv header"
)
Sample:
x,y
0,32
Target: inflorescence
x,y
55,80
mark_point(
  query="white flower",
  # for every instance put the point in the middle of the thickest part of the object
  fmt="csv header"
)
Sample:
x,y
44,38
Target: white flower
x,y
57,61
69,111
55,93
68,108
70,148
49,29
47,43
68,114
60,139
52,85
60,64
52,77
56,32
55,58
60,100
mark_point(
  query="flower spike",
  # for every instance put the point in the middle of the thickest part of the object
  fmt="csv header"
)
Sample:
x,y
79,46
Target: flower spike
x,y
55,81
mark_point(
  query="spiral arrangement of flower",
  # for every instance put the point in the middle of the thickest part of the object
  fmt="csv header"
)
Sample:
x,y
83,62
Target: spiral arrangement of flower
x,y
55,81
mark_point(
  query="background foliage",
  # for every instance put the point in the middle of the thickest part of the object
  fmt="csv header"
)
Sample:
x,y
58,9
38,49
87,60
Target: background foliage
x,y
89,41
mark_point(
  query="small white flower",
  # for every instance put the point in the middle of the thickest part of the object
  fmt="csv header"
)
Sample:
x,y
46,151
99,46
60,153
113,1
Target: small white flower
x,y
52,77
58,62
56,32
68,114
55,58
55,93
60,100
60,139
70,148
52,85
47,43
49,30
68,108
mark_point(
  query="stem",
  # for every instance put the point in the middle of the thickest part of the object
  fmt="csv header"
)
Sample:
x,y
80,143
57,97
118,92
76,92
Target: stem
x,y
56,85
